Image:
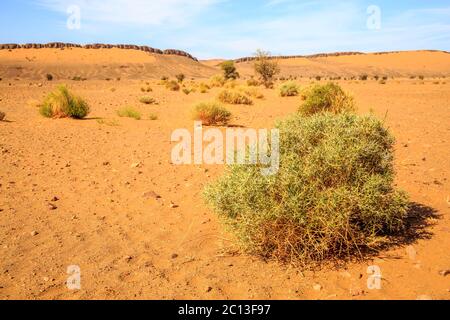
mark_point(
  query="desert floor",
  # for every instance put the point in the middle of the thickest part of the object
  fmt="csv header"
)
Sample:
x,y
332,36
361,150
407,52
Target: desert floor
x,y
129,243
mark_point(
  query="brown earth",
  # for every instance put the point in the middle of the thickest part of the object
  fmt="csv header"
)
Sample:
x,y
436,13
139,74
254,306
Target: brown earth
x,y
137,225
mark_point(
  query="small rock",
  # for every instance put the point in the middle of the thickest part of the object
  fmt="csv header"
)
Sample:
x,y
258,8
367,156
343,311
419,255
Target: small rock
x,y
136,165
173,205
174,256
444,273
128,258
51,206
54,199
317,287
209,289
34,233
106,163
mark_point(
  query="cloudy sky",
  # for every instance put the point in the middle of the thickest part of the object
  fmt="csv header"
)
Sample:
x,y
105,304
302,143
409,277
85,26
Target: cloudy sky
x,y
233,28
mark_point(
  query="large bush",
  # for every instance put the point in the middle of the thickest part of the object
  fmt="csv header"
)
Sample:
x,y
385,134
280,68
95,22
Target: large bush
x,y
332,197
326,98
266,67
61,103
229,70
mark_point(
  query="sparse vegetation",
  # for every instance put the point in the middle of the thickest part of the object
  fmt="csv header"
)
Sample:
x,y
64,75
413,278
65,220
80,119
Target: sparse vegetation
x,y
153,116
2,115
147,89
49,77
187,91
180,77
289,89
252,92
332,198
108,122
129,112
252,82
78,78
266,67
61,103
363,77
147,100
229,70
172,85
234,97
203,87
326,98
211,113
217,81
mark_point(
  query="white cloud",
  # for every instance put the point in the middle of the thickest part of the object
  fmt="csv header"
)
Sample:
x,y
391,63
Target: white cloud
x,y
133,12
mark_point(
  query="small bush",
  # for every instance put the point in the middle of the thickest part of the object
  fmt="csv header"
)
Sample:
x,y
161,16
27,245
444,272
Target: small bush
x,y
229,70
147,89
289,89
211,113
2,116
326,98
129,112
153,116
421,77
49,77
332,198
234,97
180,77
203,87
187,91
217,81
266,67
382,82
252,82
62,104
252,92
318,78
173,85
363,77
147,100
78,78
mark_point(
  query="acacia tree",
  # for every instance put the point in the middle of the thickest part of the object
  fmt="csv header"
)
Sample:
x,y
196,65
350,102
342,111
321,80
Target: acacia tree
x,y
266,67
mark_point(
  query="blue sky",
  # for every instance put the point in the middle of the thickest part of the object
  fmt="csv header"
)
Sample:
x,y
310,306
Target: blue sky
x,y
234,28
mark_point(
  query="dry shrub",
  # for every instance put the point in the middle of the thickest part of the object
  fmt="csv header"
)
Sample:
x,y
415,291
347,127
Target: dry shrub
x,y
203,87
172,85
147,100
2,115
326,98
252,92
252,82
289,89
217,81
332,198
63,104
234,97
146,89
211,113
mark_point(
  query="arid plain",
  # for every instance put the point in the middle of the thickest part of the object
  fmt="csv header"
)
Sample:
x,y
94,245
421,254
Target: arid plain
x,y
102,193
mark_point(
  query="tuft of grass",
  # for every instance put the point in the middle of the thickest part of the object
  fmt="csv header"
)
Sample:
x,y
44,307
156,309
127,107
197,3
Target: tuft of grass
x,y
333,196
217,81
108,122
234,97
326,98
61,103
147,100
78,78
211,113
147,89
187,91
173,85
180,77
129,112
289,89
252,92
153,116
252,82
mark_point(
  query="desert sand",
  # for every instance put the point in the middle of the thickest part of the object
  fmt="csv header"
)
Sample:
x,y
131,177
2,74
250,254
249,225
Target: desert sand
x,y
102,193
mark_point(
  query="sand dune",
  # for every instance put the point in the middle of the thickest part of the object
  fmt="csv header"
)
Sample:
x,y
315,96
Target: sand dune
x,y
96,64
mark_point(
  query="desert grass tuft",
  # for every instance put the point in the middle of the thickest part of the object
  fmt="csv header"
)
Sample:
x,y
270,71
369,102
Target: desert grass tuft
x,y
333,197
173,85
211,113
61,103
147,100
289,89
234,97
129,112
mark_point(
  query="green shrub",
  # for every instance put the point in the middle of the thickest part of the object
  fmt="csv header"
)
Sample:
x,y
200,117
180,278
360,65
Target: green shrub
x,y
332,198
234,97
147,100
129,112
173,85
266,67
211,113
289,89
229,70
326,98
62,104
